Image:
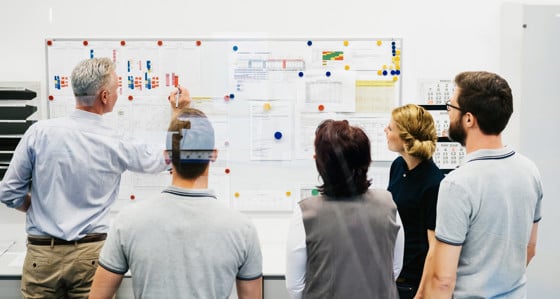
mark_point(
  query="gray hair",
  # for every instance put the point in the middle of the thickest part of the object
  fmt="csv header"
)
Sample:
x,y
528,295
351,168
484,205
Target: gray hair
x,y
89,77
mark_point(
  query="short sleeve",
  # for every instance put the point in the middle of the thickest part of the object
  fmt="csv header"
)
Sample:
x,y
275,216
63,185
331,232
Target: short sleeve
x,y
453,210
112,256
537,217
430,206
251,268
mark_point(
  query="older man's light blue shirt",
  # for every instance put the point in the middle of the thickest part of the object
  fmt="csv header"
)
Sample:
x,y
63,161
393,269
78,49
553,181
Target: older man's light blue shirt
x,y
75,163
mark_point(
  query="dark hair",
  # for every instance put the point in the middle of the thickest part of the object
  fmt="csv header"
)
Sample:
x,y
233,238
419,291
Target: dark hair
x,y
488,97
190,131
342,157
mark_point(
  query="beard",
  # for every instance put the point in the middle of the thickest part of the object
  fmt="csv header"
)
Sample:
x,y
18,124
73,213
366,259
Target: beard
x,y
457,132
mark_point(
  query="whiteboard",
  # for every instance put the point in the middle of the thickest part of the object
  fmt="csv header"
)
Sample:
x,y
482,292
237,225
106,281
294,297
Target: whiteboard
x,y
264,96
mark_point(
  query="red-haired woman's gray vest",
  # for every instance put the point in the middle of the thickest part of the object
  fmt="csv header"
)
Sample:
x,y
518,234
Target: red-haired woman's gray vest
x,y
350,246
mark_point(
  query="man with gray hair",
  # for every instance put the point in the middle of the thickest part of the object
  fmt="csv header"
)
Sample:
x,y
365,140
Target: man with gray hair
x,y
75,163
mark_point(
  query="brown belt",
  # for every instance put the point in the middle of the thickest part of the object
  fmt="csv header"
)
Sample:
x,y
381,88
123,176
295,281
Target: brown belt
x,y
42,241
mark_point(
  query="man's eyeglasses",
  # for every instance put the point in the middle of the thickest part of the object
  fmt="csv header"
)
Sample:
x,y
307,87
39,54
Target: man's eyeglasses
x,y
449,106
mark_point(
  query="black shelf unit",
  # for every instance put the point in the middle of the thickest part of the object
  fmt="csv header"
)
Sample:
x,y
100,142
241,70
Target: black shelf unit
x,y
14,121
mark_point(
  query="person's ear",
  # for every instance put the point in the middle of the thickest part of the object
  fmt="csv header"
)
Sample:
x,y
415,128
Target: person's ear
x,y
104,96
470,119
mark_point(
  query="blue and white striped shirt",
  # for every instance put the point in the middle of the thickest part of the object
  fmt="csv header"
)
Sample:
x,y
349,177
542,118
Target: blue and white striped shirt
x,y
76,163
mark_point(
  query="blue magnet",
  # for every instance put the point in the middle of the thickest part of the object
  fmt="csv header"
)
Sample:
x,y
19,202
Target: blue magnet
x,y
309,43
300,74
231,96
57,82
392,72
91,53
398,72
328,74
385,73
278,135
235,48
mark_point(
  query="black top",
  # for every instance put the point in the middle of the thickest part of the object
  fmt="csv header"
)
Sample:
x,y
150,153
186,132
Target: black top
x,y
415,193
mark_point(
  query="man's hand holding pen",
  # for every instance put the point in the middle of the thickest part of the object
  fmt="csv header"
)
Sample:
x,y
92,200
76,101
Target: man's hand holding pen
x,y
179,98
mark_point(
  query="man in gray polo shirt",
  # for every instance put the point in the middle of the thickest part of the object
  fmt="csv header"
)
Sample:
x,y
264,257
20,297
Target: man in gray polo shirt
x,y
488,209
183,244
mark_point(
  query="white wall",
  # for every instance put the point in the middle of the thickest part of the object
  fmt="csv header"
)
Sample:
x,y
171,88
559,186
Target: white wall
x,y
440,39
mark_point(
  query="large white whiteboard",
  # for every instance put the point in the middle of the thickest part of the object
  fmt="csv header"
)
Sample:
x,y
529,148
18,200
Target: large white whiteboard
x,y
264,96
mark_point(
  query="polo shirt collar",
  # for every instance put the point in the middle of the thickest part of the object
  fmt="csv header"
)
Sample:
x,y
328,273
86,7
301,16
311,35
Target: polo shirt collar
x,y
490,154
190,192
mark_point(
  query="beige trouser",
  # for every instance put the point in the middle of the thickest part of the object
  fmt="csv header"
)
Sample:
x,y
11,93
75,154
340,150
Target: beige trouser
x,y
59,271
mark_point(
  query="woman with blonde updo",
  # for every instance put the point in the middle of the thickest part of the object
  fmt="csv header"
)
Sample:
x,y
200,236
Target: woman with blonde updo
x,y
414,182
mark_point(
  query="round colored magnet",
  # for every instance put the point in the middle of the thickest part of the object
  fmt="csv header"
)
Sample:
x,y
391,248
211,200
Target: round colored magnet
x,y
278,135
266,106
314,192
130,98
51,97
159,43
321,107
